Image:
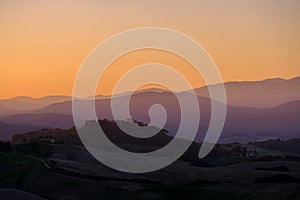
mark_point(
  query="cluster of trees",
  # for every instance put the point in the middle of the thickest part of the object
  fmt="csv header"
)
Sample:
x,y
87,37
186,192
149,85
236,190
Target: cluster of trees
x,y
292,145
110,128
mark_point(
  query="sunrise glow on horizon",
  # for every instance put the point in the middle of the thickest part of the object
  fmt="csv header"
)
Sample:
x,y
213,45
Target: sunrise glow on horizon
x,y
43,43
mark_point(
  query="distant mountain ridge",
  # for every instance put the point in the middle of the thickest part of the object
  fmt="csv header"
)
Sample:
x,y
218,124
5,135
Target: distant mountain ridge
x,y
52,120
261,115
27,104
242,124
266,93
6,111
263,94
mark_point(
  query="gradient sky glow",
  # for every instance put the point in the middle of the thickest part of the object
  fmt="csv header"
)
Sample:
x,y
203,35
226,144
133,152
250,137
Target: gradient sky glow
x,y
43,43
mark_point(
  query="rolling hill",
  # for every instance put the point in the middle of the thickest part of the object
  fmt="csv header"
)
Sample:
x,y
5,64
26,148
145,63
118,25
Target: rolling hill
x,y
263,94
8,130
42,120
24,103
256,110
242,124
6,111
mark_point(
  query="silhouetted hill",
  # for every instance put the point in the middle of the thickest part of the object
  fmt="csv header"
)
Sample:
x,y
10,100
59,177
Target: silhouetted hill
x,y
24,103
267,93
253,124
42,120
113,132
8,130
289,106
6,111
242,123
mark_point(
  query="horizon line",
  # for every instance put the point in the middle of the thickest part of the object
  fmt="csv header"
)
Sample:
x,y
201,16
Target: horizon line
x,y
154,88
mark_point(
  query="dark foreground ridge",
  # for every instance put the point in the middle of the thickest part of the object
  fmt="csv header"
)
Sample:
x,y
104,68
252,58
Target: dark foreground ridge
x,y
53,164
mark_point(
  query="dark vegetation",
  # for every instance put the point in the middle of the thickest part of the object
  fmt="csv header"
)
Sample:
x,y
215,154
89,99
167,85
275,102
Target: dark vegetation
x,y
291,145
221,155
279,178
5,146
31,162
276,169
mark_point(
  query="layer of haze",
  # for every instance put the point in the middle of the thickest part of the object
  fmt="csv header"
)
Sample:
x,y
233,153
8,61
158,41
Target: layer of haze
x,y
43,43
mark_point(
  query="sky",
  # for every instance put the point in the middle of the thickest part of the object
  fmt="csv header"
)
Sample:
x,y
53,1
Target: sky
x,y
43,43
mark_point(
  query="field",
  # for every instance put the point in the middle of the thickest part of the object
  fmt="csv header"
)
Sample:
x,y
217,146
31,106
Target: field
x,y
69,172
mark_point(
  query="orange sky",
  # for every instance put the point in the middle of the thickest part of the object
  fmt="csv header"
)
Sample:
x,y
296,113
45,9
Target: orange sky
x,y
43,43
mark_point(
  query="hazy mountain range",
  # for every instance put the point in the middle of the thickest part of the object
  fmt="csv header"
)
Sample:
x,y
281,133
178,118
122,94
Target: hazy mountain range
x,y
264,94
27,104
256,110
